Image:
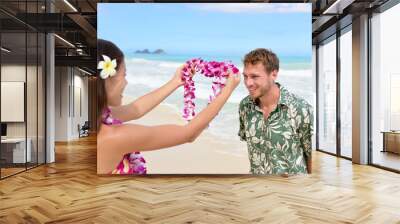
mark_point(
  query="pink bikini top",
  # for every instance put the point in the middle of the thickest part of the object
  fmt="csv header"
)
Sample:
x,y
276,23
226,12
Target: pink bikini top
x,y
131,163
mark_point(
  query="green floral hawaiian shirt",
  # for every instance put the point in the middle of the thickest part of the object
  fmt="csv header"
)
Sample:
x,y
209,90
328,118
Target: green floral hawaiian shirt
x,y
281,143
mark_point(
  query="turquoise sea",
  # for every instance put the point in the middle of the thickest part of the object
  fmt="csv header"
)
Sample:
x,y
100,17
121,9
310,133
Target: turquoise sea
x,y
286,62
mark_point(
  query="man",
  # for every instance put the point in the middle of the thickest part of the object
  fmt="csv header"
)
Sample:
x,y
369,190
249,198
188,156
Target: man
x,y
276,124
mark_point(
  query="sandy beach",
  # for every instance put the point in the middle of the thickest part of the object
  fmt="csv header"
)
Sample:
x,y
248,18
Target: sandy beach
x,y
207,155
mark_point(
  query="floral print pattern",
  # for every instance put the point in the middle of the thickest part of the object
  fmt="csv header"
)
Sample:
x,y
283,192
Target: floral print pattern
x,y
281,143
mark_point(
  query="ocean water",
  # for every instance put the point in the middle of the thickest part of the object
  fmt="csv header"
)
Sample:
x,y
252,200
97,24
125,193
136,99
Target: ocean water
x,y
146,72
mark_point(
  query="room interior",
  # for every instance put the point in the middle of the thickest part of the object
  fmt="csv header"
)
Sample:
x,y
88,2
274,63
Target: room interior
x,y
48,92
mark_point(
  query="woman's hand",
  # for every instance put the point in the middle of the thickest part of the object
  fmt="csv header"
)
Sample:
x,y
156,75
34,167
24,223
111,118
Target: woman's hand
x,y
233,81
177,78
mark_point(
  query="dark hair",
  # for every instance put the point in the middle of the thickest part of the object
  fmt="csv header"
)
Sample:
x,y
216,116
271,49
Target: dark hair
x,y
105,47
265,56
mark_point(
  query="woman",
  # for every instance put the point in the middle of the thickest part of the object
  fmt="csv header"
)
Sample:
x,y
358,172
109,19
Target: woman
x,y
116,140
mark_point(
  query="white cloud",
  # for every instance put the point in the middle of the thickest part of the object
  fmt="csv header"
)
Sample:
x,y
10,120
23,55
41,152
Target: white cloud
x,y
254,7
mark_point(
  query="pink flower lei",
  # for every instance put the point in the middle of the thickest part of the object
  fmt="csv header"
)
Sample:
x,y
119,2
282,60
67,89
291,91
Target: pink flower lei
x,y
218,71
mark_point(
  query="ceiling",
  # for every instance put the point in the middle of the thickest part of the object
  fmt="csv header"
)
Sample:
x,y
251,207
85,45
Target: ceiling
x,y
76,22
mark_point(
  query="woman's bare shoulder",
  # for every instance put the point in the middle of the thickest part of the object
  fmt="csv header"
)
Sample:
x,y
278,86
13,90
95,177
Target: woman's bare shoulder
x,y
108,133
105,133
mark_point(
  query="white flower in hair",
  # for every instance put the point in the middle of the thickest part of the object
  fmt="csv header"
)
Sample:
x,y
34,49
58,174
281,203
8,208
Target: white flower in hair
x,y
107,67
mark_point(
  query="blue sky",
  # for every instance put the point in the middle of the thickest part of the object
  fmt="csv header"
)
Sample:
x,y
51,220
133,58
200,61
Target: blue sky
x,y
207,28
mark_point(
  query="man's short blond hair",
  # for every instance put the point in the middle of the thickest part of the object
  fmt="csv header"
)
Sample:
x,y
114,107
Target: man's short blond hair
x,y
264,56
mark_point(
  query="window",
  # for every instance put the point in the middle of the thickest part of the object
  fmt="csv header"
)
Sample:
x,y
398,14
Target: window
x,y
327,96
385,89
346,94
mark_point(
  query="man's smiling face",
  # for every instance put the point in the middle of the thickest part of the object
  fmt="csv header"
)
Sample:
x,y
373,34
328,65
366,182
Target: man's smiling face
x,y
257,81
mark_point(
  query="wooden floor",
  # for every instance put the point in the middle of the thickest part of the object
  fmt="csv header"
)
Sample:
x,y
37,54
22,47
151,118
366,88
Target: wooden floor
x,y
10,171
69,191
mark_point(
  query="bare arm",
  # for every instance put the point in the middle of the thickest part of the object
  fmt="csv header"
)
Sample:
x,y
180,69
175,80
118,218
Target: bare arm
x,y
115,141
146,103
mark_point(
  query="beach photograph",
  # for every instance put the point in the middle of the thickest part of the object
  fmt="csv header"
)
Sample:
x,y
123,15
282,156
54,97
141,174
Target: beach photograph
x,y
172,34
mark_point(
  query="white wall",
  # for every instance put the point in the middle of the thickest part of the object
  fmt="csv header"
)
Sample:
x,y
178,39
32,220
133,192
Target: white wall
x,y
70,83
33,127
61,103
12,101
80,100
16,73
